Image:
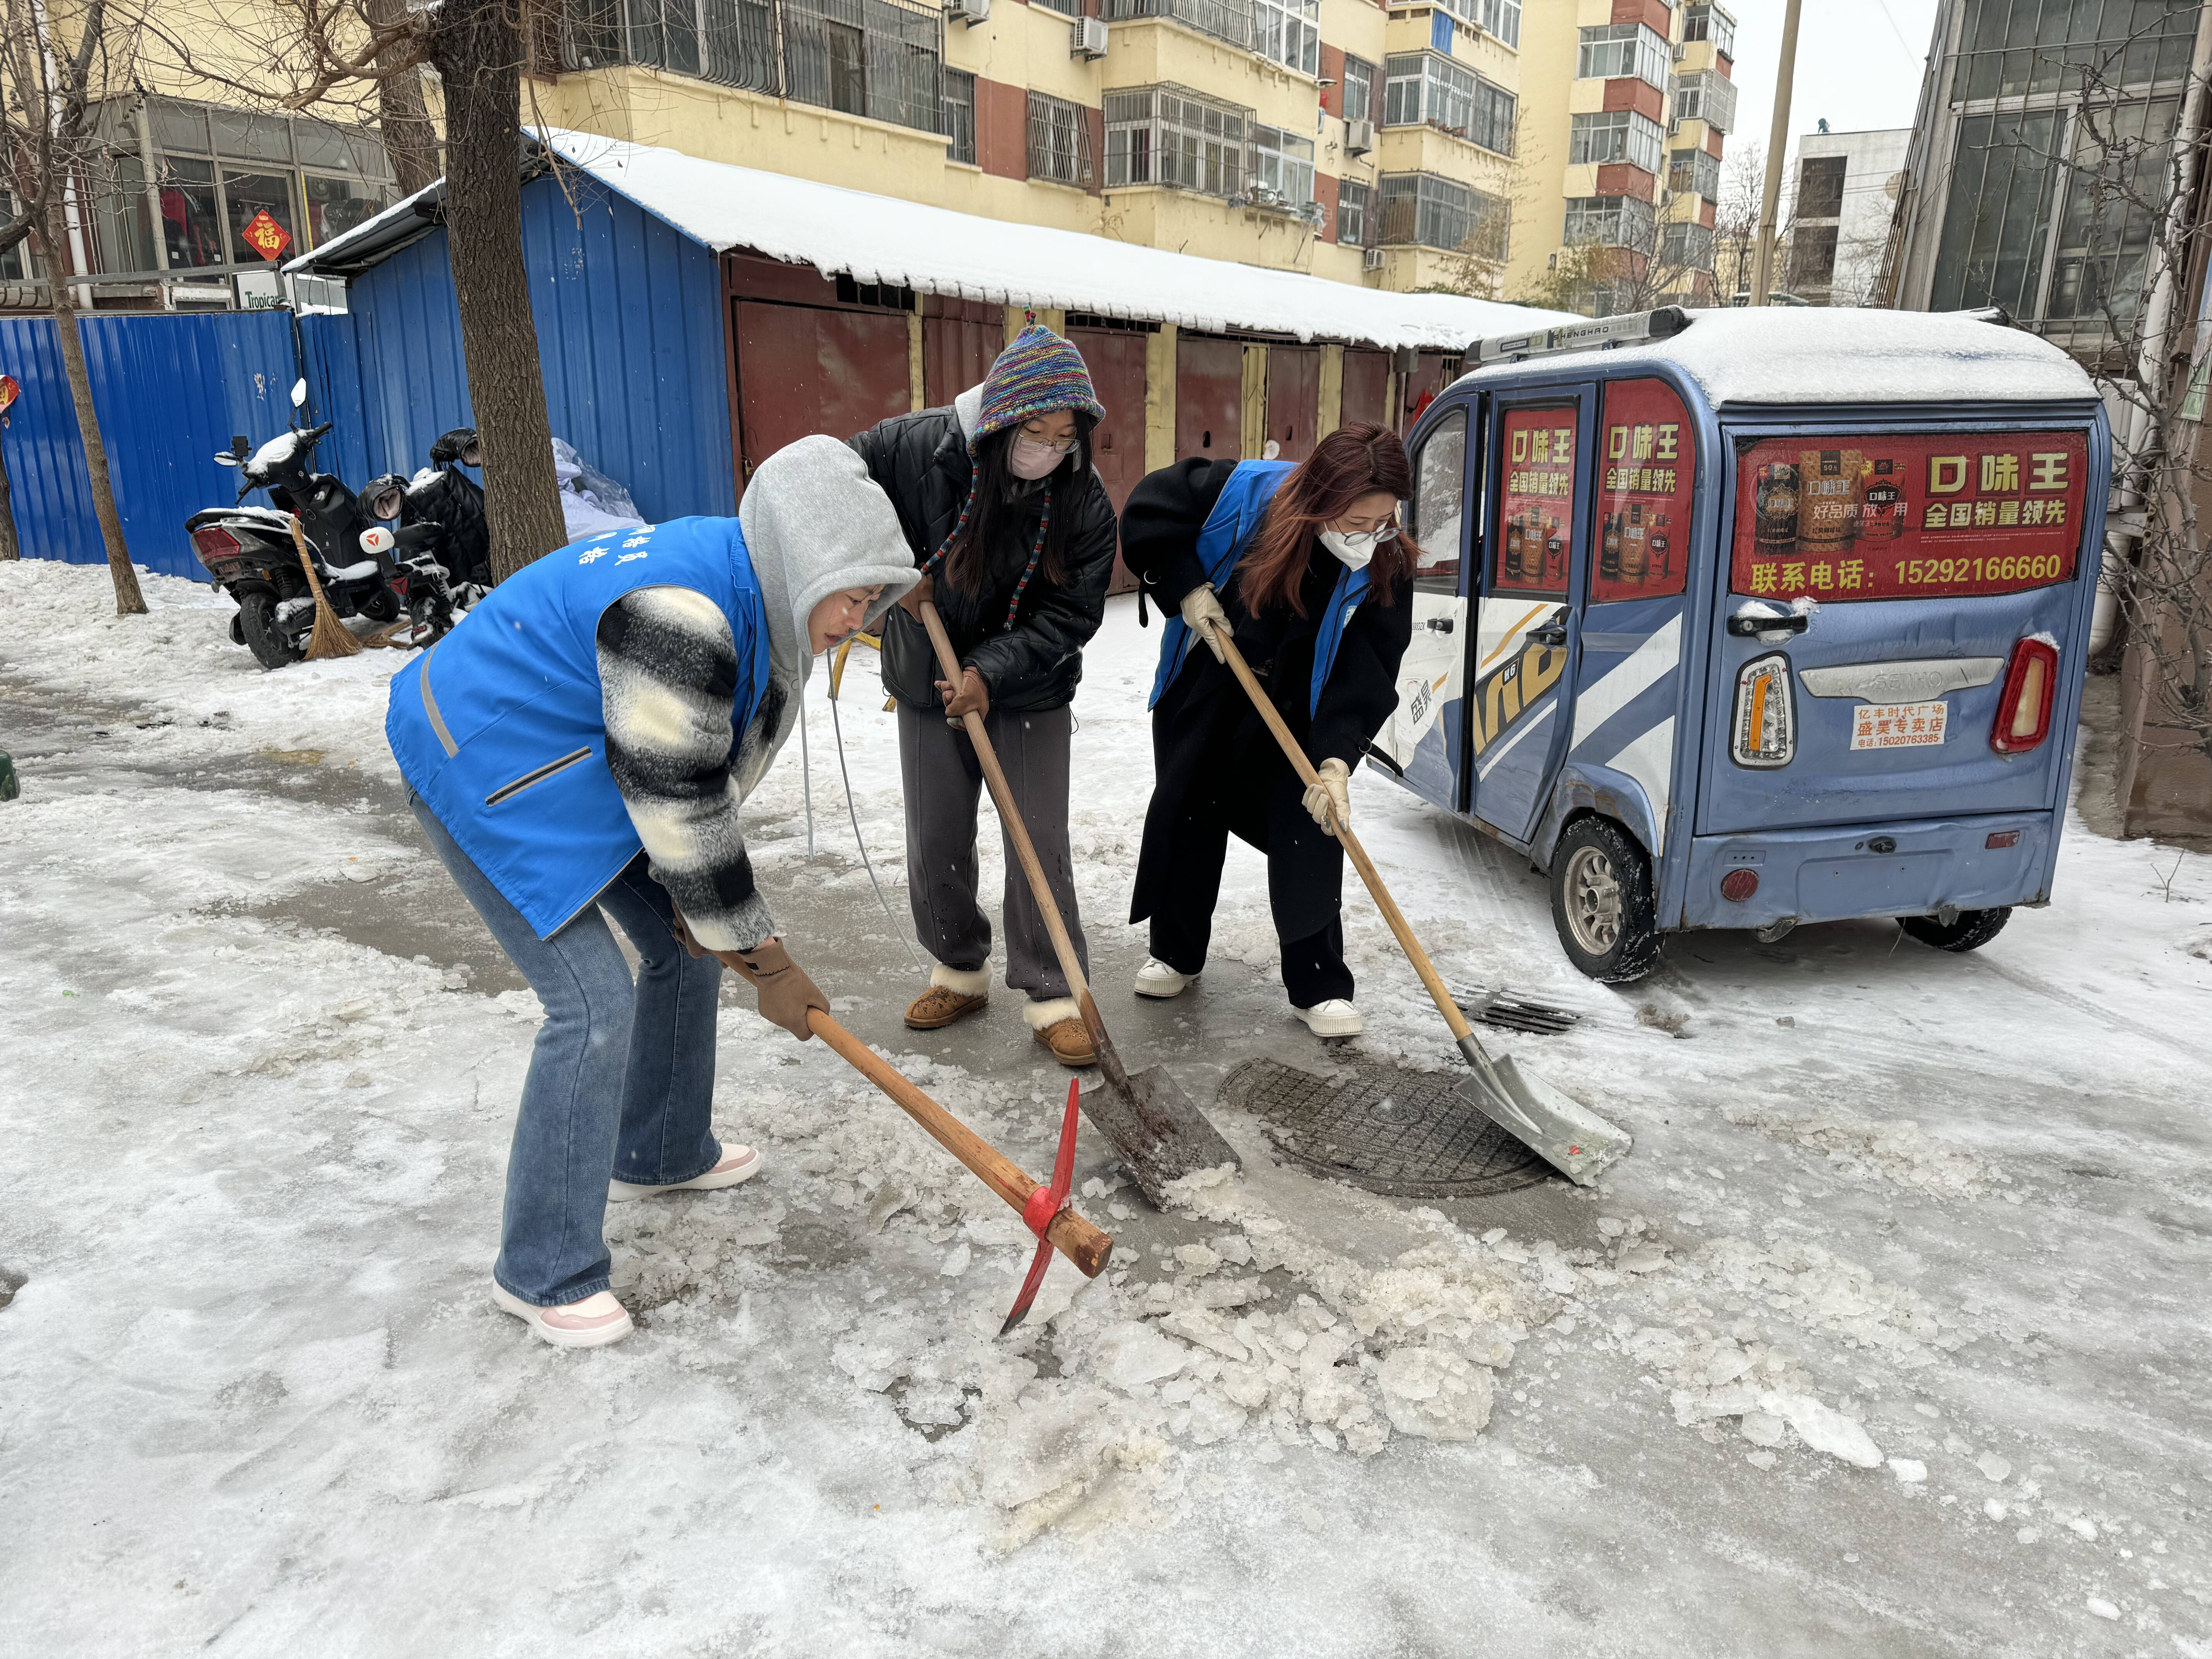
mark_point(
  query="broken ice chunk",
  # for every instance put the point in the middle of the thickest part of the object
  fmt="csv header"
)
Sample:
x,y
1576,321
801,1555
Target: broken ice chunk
x,y
1997,1469
2101,1607
1761,1428
1434,1395
1823,1429
1910,1471
1760,1460
1133,1353
956,1260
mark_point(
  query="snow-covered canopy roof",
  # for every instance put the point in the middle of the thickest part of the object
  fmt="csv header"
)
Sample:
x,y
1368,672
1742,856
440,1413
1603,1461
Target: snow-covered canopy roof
x,y
1814,354
882,238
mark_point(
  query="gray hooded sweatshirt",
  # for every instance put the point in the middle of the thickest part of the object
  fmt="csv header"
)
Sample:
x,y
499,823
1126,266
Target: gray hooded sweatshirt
x,y
815,525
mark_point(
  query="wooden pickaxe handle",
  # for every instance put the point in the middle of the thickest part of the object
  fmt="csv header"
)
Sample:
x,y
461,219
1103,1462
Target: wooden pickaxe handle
x,y
1068,1233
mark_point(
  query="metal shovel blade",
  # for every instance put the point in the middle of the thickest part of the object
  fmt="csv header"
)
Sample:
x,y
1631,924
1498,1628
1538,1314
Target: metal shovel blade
x,y
1565,1133
1159,1134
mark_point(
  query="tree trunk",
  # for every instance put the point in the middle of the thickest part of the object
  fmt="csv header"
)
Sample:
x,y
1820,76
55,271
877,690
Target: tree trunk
x,y
129,601
9,547
410,139
478,49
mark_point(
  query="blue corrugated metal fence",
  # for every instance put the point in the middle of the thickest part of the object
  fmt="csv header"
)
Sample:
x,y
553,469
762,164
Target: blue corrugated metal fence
x,y
630,335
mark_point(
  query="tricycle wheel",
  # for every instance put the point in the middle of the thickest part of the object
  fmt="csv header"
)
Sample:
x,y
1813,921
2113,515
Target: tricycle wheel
x,y
257,620
1970,931
1601,902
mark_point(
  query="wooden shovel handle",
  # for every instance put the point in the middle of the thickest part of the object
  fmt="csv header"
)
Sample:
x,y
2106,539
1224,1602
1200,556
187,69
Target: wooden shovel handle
x,y
1068,1233
1360,862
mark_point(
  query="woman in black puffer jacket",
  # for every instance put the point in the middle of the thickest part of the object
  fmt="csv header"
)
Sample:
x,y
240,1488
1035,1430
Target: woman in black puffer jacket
x,y
1016,536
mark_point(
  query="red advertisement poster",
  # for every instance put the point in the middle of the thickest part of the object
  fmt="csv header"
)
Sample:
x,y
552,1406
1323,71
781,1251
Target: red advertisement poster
x,y
1647,467
1535,512
1909,517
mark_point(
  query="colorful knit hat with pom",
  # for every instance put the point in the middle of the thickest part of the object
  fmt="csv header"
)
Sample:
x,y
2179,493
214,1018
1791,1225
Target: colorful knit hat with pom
x,y
1037,374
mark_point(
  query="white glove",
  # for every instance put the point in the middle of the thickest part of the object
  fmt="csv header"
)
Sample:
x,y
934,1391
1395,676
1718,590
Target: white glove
x,y
1330,799
1202,614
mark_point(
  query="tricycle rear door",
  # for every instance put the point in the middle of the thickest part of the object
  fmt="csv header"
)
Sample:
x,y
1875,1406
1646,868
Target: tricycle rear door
x,y
1877,585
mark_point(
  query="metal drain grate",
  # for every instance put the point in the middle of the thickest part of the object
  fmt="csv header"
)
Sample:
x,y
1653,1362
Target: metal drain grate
x,y
1407,1134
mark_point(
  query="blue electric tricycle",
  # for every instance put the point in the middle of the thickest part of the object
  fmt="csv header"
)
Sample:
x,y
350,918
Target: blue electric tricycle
x,y
1749,618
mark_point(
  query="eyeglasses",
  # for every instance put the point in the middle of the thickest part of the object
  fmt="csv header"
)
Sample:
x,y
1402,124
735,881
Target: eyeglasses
x,y
1389,533
1061,445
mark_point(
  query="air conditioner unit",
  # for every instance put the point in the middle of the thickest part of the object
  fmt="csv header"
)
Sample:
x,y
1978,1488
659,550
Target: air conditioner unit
x,y
1358,137
1371,260
970,12
1088,37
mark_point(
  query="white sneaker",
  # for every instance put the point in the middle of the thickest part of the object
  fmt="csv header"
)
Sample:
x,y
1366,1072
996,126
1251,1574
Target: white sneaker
x,y
739,1163
593,1323
1334,1019
1157,979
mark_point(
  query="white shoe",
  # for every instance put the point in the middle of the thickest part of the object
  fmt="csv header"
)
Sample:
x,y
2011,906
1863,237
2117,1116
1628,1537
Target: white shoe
x,y
593,1323
739,1163
1334,1019
1157,979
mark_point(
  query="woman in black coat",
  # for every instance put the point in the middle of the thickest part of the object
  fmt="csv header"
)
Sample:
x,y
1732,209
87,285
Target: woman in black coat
x,y
1307,570
1015,534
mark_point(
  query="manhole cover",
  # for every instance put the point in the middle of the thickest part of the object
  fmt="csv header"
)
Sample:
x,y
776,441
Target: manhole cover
x,y
1408,1135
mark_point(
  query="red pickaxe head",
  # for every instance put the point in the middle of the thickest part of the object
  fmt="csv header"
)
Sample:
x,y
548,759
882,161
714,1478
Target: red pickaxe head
x,y
1045,1203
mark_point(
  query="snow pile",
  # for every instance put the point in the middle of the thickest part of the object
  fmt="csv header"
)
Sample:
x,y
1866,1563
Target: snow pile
x,y
1863,1148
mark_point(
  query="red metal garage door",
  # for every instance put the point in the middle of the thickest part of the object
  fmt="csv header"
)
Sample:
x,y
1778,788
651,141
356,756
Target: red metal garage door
x,y
802,370
1293,399
960,341
1116,362
1209,399
1366,386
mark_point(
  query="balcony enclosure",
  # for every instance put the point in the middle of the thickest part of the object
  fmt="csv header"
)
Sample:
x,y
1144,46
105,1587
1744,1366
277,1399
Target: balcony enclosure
x,y
1168,135
1707,96
1424,88
1702,20
1695,173
1608,222
1286,32
1420,209
1618,135
1612,52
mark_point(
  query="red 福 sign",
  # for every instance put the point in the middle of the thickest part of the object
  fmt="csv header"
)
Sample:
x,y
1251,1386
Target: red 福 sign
x,y
1909,517
265,236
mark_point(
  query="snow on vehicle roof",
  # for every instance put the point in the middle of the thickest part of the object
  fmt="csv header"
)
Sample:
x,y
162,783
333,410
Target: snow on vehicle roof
x,y
1813,354
881,239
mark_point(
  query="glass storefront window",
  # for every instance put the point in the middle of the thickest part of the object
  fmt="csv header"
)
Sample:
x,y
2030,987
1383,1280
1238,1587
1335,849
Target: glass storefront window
x,y
245,194
256,137
120,213
179,127
337,205
190,229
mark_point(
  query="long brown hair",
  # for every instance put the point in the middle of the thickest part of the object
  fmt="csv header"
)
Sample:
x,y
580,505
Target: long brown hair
x,y
990,519
1355,460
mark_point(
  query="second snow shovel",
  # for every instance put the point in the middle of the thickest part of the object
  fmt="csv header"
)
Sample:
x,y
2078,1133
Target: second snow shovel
x,y
1159,1135
1574,1140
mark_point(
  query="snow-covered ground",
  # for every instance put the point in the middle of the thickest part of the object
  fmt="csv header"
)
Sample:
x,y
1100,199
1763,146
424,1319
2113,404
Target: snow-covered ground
x,y
1889,1338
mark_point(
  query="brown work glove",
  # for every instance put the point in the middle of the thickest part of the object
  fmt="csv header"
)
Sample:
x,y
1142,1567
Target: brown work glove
x,y
914,598
786,992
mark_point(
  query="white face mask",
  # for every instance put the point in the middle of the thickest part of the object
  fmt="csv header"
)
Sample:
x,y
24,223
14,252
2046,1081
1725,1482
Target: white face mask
x,y
1027,460
1353,552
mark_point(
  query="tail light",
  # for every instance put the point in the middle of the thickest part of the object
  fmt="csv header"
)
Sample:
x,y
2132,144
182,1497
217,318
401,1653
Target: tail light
x,y
1765,730
2024,711
214,545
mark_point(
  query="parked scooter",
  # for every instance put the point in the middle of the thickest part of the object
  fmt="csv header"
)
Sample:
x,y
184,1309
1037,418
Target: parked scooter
x,y
365,570
442,494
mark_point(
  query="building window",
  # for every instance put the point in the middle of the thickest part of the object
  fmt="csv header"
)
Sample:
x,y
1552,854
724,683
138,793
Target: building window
x,y
1059,141
1821,187
1811,256
1686,246
1499,17
1707,96
1359,89
960,116
2010,47
1065,8
1282,170
1224,20
1289,32
1421,209
1702,20
1695,173
1351,214
1613,51
1608,222
1421,89
1168,136
1618,135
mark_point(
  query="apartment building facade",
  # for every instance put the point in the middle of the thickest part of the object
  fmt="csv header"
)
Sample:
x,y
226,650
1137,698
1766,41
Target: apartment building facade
x,y
1620,165
1848,184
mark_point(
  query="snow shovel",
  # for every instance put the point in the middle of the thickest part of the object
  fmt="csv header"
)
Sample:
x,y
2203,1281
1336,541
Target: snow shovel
x,y
1159,1135
1570,1137
1043,1209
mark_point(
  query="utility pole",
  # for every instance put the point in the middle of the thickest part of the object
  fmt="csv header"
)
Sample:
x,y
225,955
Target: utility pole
x,y
1778,144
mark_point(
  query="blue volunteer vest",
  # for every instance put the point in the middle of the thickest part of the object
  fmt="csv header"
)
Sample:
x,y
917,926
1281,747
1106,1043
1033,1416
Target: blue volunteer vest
x,y
1228,531
499,727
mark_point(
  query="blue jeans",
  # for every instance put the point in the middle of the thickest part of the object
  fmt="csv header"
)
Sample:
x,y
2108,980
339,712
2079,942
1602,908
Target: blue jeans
x,y
621,1079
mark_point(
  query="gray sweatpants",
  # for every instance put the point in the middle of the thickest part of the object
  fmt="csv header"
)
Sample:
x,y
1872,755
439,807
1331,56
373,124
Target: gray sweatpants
x,y
943,780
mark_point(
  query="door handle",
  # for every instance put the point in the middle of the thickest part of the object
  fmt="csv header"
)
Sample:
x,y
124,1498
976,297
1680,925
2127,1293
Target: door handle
x,y
1441,624
1755,618
1554,635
